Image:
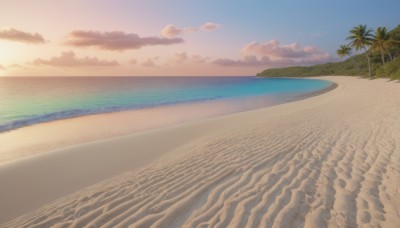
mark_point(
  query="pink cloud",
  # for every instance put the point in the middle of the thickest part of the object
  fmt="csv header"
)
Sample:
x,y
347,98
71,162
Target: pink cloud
x,y
116,40
174,31
273,53
1,67
248,60
133,62
68,59
179,57
171,31
183,57
209,26
273,48
20,36
15,65
198,59
148,63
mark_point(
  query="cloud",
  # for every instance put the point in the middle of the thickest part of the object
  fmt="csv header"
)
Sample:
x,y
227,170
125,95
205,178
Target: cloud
x,y
183,57
179,57
148,63
116,40
273,53
274,48
1,67
209,26
248,60
132,62
174,31
15,65
171,31
198,59
20,36
68,59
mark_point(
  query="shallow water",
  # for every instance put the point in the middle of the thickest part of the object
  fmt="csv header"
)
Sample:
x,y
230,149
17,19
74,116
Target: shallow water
x,y
30,100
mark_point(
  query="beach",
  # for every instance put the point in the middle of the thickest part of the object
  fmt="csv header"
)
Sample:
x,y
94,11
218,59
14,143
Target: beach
x,y
93,109
331,160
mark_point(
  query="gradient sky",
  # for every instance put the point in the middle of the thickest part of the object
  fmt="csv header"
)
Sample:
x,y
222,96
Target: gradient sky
x,y
175,37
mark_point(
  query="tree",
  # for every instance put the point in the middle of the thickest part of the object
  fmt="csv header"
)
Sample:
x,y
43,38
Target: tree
x,y
361,38
381,42
344,50
394,47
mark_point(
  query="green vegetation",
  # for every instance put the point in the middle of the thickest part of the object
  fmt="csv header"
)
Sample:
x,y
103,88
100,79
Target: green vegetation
x,y
381,42
391,69
360,38
380,57
344,51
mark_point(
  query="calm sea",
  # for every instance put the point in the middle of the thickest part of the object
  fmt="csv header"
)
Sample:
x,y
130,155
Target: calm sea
x,y
29,100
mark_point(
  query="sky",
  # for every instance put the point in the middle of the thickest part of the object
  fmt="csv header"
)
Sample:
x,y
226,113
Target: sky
x,y
176,37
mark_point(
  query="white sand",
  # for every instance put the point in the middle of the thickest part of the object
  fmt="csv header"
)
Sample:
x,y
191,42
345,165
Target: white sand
x,y
331,160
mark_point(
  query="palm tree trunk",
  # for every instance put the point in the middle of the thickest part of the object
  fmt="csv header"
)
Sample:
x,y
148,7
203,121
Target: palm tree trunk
x,y
369,63
383,57
390,56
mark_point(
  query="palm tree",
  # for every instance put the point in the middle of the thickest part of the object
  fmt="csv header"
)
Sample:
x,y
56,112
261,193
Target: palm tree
x,y
393,45
381,42
394,48
361,38
344,50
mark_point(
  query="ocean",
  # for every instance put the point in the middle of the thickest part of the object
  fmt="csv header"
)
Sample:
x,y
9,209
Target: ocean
x,y
30,100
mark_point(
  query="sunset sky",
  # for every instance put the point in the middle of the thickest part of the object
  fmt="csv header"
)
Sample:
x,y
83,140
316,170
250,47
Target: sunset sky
x,y
175,37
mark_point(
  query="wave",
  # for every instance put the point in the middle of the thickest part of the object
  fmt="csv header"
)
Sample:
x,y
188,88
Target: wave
x,y
66,114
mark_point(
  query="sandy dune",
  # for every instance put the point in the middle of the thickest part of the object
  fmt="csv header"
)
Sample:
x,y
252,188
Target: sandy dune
x,y
331,160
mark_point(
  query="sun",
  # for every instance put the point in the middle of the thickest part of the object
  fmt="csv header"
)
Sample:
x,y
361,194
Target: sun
x,y
9,55
6,51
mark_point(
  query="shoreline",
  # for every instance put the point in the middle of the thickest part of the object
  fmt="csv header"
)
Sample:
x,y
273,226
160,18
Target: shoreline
x,y
68,174
122,123
329,160
71,114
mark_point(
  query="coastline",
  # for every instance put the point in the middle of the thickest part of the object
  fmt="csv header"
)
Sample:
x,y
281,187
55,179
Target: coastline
x,y
156,100
329,160
61,167
97,127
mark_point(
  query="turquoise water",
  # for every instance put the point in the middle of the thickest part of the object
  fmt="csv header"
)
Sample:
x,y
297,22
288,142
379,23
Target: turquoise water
x,y
27,101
